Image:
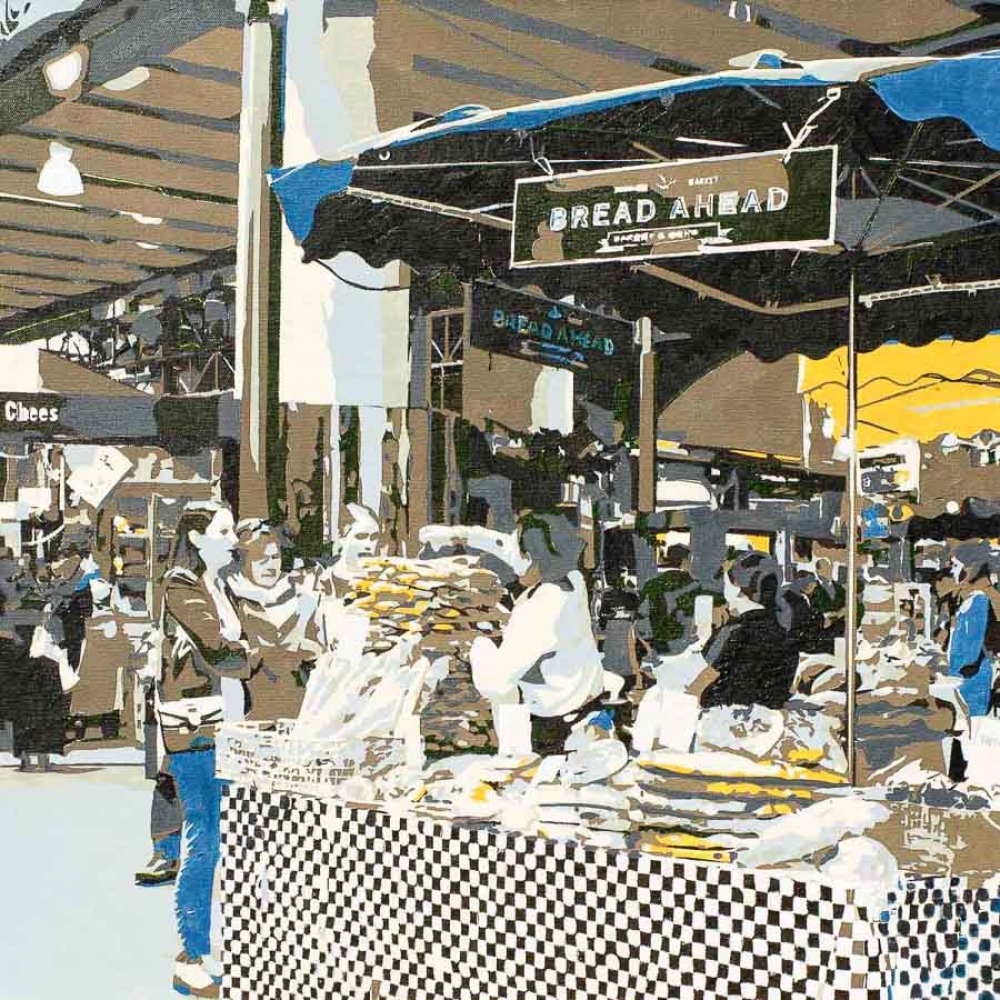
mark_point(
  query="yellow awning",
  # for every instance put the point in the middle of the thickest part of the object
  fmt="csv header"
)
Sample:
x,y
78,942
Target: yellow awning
x,y
944,387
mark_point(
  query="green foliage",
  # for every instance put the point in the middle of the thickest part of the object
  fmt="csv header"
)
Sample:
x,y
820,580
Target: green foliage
x,y
444,290
622,410
532,520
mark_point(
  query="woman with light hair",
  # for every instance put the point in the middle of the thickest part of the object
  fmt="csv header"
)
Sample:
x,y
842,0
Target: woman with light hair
x,y
278,613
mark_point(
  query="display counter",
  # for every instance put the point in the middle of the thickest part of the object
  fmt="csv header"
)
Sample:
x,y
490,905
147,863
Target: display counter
x,y
324,899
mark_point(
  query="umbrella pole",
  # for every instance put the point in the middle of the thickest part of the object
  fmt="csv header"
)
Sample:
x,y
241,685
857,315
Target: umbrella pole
x,y
851,623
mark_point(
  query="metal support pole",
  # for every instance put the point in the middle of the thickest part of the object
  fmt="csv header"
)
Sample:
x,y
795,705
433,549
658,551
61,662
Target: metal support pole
x,y
647,418
851,622
253,252
418,417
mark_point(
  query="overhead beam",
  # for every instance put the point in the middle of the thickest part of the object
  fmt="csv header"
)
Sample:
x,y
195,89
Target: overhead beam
x,y
134,169
221,47
32,285
92,271
119,198
172,91
704,290
21,301
112,252
20,214
75,120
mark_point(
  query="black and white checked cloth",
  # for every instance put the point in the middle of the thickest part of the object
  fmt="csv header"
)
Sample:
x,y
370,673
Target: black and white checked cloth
x,y
323,901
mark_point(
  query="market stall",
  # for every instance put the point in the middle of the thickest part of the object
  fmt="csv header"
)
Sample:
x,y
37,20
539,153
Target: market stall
x,y
81,484
673,844
322,898
388,841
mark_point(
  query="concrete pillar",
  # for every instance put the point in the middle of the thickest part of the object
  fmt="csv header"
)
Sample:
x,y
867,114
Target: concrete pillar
x,y
253,258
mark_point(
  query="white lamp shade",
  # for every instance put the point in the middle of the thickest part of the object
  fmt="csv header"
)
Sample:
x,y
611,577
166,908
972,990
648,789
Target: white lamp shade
x,y
64,72
59,176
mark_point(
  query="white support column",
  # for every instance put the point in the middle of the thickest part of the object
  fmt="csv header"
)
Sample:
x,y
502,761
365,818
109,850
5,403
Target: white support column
x,y
372,421
647,418
340,345
851,622
253,244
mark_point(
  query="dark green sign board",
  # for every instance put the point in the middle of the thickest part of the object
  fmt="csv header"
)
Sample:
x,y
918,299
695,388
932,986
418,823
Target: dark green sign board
x,y
728,204
31,412
507,321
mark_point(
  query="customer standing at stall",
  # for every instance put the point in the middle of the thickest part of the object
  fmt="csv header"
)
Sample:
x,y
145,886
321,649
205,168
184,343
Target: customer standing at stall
x,y
975,629
755,655
71,574
205,658
277,611
36,670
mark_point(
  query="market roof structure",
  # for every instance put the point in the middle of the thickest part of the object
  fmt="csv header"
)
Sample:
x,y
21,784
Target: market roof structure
x,y
917,202
147,98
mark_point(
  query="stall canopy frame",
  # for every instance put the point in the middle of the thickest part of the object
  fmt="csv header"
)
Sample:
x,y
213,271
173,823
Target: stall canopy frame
x,y
916,90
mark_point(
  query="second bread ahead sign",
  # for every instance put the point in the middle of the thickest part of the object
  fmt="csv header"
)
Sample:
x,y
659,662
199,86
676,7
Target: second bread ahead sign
x,y
755,201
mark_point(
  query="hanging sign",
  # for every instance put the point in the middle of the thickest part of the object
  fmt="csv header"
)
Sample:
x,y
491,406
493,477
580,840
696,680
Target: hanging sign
x,y
729,204
30,412
507,321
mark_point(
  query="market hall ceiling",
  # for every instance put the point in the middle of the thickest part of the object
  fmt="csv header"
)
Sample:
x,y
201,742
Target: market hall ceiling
x,y
432,55
147,97
154,127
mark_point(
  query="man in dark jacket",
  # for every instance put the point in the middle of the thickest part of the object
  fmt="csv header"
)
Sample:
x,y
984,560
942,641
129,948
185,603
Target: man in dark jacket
x,y
755,657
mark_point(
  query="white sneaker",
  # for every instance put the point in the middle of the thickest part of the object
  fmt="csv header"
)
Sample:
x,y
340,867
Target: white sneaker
x,y
191,979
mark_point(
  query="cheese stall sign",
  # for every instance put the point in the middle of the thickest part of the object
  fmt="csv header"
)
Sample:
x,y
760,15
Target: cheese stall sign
x,y
728,204
23,411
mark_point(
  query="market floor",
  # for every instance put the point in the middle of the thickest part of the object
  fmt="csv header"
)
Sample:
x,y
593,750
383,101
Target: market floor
x,y
73,926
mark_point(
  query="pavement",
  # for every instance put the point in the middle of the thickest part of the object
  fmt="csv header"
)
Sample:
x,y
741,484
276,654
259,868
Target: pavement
x,y
74,924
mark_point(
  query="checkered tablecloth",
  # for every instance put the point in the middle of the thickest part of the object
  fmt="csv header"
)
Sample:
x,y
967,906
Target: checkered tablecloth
x,y
944,940
323,901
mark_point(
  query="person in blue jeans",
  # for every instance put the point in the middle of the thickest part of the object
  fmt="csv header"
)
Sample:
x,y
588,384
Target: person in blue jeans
x,y
974,632
165,823
205,661
201,795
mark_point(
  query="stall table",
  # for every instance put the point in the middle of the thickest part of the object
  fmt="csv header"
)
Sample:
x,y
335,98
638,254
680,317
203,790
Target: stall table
x,y
325,899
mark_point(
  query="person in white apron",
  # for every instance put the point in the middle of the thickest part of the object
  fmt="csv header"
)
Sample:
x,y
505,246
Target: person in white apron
x,y
547,660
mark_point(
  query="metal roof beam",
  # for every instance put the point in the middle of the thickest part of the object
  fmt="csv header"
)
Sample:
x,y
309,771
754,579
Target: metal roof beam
x,y
113,200
100,273
108,251
131,170
32,285
76,120
44,218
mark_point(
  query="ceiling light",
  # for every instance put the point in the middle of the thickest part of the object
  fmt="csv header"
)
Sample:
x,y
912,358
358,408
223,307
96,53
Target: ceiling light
x,y
59,176
146,220
128,81
64,74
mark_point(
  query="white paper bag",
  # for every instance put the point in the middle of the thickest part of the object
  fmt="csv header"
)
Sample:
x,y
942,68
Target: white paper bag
x,y
513,723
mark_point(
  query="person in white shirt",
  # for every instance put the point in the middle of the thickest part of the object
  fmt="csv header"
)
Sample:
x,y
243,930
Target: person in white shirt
x,y
547,659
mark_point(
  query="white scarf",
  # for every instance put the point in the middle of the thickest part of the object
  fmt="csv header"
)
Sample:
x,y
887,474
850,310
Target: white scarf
x,y
230,628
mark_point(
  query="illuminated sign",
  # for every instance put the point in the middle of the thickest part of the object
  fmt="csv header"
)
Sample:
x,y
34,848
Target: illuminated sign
x,y
507,321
